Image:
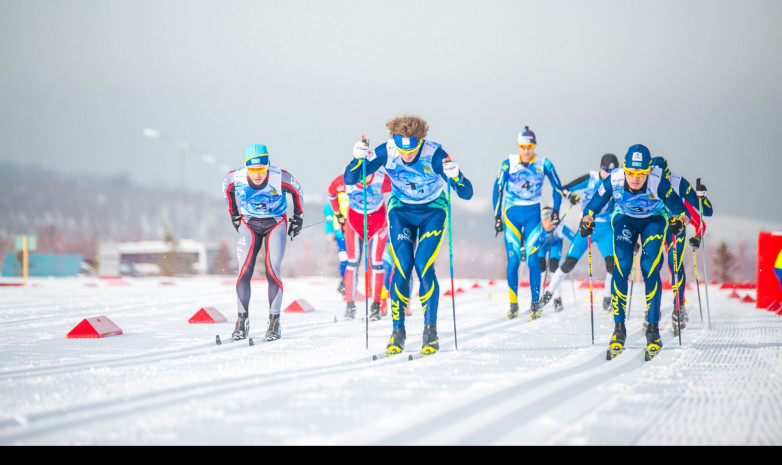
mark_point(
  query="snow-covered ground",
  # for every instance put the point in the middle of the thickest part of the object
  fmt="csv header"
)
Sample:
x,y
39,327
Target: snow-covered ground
x,y
164,381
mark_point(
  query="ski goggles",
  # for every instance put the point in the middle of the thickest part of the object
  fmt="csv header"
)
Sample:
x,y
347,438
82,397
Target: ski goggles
x,y
637,173
526,146
407,145
257,169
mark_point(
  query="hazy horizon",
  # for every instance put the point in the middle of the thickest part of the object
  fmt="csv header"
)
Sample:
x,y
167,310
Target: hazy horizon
x,y
699,82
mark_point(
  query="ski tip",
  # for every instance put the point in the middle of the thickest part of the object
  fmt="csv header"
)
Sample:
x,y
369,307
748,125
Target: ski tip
x,y
217,340
250,341
335,319
410,357
374,357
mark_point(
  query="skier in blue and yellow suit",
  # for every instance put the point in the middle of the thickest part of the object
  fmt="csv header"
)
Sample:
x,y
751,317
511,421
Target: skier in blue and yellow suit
x,y
516,199
646,206
417,212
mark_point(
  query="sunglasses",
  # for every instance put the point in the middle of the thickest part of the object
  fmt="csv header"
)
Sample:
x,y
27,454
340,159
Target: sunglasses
x,y
637,173
526,146
257,168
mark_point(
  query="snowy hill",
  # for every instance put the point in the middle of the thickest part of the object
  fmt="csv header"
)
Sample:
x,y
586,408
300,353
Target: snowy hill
x,y
494,382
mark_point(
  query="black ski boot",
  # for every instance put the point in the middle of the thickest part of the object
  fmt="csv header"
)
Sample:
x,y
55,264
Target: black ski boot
x,y
374,311
341,287
534,311
653,341
513,312
273,331
431,341
617,344
558,307
242,327
350,311
397,342
679,320
545,299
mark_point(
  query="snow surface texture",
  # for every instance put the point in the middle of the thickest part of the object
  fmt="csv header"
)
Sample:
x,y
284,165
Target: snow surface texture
x,y
165,382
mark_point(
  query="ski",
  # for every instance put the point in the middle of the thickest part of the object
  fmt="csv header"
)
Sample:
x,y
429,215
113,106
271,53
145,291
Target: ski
x,y
385,354
417,355
250,341
219,341
651,351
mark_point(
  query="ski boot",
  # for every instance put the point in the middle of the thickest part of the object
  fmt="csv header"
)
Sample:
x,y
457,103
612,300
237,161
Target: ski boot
x,y
653,341
617,344
374,312
545,299
242,327
341,287
679,320
397,342
558,307
350,311
513,312
273,331
607,304
431,341
534,311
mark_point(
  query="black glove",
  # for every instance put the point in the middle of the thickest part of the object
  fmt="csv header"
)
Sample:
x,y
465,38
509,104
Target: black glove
x,y
574,199
555,218
294,228
340,218
695,242
676,225
237,221
585,228
498,226
700,189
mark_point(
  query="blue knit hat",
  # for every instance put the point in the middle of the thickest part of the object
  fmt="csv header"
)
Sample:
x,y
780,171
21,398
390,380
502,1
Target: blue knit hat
x,y
638,157
526,137
256,154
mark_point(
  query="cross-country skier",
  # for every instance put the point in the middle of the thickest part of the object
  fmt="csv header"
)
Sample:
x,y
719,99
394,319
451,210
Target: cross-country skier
x,y
417,212
690,196
256,197
641,194
588,184
378,184
334,233
516,199
547,239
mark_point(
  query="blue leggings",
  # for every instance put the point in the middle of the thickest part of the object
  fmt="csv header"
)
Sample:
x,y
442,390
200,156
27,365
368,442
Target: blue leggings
x,y
627,229
408,224
521,220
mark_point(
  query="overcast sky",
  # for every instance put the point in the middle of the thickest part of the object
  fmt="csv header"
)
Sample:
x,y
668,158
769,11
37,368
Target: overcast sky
x,y
699,82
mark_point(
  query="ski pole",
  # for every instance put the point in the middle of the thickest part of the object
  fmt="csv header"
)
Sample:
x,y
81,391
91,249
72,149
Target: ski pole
x,y
313,224
703,244
697,284
675,279
366,246
591,302
450,256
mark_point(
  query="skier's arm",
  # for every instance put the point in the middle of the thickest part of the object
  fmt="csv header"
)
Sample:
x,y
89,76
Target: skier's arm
x,y
373,162
334,189
499,188
579,183
600,199
292,186
556,184
229,194
672,200
687,193
460,184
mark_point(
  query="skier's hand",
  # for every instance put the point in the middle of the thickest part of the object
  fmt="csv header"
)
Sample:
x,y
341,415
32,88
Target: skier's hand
x,y
573,198
237,221
695,242
340,219
498,226
700,189
360,150
587,226
555,218
294,228
450,168
676,225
